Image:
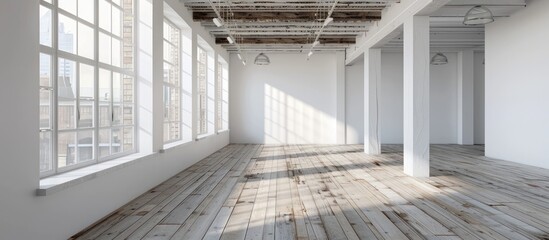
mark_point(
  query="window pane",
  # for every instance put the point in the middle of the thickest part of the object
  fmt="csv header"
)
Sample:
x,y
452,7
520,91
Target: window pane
x,y
86,112
85,146
128,139
116,87
105,15
104,98
68,5
128,89
66,149
45,70
128,114
45,109
116,53
46,163
87,79
104,143
116,142
85,41
116,113
116,21
67,34
45,26
66,116
86,10
117,2
66,95
104,48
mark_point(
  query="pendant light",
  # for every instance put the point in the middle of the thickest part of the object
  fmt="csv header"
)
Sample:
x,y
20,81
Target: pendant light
x,y
262,59
439,59
478,15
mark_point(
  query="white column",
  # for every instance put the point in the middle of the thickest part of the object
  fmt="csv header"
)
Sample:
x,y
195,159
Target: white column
x,y
466,97
416,96
372,80
158,75
340,95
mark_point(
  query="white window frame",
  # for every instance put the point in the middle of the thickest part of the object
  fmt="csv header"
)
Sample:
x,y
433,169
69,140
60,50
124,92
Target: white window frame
x,y
170,85
56,54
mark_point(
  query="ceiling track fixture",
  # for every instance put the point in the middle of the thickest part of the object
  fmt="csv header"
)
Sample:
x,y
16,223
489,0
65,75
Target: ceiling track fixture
x,y
327,21
478,15
219,22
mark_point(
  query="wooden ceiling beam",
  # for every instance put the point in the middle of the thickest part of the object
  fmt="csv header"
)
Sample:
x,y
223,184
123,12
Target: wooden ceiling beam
x,y
289,16
290,40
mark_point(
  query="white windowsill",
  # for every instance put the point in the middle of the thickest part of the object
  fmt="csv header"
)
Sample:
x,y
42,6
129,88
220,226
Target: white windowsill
x,y
173,145
202,136
222,131
66,180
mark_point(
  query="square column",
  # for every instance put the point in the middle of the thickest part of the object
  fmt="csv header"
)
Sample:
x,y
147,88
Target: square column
x,y
466,97
372,80
416,96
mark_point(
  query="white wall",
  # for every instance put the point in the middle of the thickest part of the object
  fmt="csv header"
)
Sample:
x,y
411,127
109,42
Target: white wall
x,y
23,215
292,100
355,102
517,86
479,98
443,104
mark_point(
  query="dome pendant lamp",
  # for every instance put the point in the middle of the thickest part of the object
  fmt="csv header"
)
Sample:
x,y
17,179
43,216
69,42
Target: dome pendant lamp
x,y
262,59
439,59
478,15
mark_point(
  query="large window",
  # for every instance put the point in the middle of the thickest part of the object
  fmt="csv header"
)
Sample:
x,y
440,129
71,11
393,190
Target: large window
x,y
202,62
86,82
222,96
172,82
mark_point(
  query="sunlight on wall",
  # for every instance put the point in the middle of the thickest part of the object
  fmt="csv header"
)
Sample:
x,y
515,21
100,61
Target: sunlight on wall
x,y
289,120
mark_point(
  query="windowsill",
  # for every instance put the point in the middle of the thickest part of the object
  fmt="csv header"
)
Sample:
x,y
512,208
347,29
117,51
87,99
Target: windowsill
x,y
222,131
202,136
53,184
169,146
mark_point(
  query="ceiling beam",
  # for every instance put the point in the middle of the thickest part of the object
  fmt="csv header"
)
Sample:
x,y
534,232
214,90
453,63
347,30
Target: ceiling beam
x,y
290,40
289,16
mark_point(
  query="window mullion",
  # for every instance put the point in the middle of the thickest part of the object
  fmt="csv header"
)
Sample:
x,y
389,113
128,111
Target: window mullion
x,y
55,82
96,81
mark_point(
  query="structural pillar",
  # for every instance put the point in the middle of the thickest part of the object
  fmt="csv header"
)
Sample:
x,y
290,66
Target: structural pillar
x,y
466,97
372,80
416,96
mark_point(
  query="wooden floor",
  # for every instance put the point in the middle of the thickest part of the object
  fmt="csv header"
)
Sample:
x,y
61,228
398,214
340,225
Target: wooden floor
x,y
338,192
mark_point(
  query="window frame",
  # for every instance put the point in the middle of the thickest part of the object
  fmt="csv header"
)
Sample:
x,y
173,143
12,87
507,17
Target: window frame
x,y
202,120
170,85
56,54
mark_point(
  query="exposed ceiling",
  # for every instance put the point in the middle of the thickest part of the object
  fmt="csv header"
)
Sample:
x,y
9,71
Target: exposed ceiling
x,y
292,26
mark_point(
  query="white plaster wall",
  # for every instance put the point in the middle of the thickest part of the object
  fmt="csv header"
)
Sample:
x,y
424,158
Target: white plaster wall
x,y
443,103
23,215
479,98
292,100
443,100
517,84
354,99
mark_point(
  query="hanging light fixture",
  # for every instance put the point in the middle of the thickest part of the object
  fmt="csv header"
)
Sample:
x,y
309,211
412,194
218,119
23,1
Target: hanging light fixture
x,y
439,59
230,39
217,22
478,15
262,59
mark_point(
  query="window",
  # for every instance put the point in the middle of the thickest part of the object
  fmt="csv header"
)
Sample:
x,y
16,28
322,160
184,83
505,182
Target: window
x,y
86,83
202,62
222,96
172,83
225,97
